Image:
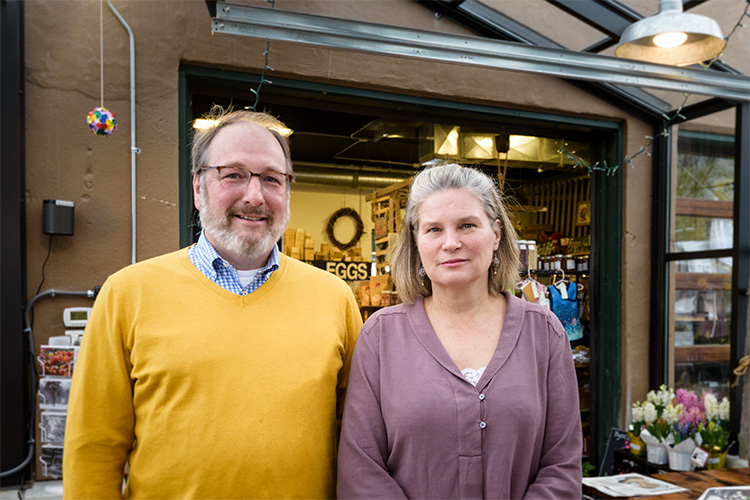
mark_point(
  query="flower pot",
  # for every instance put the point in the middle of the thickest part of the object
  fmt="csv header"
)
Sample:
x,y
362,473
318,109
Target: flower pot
x,y
656,454
680,461
716,460
637,446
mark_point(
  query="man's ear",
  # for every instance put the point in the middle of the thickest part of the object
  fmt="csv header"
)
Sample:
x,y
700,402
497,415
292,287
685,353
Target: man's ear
x,y
196,192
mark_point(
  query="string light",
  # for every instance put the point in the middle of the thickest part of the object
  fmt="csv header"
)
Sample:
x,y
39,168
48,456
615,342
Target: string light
x,y
263,73
628,160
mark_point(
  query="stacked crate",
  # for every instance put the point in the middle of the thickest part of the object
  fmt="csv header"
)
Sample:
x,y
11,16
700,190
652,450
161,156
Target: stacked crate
x,y
386,215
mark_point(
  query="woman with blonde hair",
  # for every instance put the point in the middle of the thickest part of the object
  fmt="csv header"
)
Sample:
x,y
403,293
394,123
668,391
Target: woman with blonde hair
x,y
463,391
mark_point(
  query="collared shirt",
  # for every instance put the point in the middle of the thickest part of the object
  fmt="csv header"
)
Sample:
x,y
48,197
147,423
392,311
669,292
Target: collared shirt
x,y
208,261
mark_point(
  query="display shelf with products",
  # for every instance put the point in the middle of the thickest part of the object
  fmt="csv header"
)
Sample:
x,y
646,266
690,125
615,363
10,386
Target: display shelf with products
x,y
387,204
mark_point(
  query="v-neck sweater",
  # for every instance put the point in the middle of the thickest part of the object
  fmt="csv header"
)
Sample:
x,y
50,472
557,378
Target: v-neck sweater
x,y
414,427
210,394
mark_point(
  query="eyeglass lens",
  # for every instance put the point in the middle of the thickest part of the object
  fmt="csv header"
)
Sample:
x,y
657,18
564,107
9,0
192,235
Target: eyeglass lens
x,y
237,179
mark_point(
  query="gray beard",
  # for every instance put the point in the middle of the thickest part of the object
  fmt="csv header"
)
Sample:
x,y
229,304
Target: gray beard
x,y
221,230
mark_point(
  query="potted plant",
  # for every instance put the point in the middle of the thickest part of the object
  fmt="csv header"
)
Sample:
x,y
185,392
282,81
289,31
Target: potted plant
x,y
689,417
714,432
637,423
659,417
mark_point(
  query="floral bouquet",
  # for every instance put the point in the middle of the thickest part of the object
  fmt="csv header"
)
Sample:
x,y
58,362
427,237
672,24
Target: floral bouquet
x,y
659,416
689,417
672,425
714,430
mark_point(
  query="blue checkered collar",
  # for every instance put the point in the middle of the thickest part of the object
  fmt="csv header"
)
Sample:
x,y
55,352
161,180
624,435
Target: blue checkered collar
x,y
208,261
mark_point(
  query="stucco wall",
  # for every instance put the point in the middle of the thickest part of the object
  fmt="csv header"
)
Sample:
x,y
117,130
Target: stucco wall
x,y
66,161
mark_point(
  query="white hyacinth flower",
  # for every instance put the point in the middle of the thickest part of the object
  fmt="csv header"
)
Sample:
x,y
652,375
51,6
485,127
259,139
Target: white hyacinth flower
x,y
672,413
724,409
649,413
636,412
665,396
712,407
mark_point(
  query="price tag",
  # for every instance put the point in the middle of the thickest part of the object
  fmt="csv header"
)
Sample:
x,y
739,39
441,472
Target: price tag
x,y
563,290
529,289
543,301
699,456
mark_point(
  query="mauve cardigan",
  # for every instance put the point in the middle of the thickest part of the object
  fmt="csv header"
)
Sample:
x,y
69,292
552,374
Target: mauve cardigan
x,y
414,427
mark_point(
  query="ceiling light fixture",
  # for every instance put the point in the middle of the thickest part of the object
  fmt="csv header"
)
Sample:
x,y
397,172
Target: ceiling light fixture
x,y
672,37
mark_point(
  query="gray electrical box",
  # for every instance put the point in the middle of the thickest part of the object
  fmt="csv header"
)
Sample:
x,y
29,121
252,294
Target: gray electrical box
x,y
58,217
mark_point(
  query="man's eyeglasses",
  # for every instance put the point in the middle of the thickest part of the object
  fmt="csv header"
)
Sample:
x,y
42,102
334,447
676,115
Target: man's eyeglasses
x,y
237,179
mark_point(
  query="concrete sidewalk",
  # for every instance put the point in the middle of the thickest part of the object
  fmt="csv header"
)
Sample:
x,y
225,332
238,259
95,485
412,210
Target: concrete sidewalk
x,y
47,490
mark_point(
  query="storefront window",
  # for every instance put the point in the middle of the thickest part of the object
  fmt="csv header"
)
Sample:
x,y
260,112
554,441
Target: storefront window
x,y
704,192
701,319
700,285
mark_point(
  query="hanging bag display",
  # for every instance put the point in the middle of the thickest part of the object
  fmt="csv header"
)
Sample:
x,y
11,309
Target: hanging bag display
x,y
565,306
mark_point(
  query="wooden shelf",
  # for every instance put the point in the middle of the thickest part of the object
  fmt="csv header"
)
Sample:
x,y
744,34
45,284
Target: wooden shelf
x,y
703,281
704,208
717,353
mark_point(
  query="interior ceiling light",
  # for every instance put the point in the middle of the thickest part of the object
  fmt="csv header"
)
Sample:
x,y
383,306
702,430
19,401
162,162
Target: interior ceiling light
x,y
672,37
205,124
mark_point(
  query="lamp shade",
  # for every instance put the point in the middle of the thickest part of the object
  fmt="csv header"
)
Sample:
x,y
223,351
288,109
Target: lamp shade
x,y
702,37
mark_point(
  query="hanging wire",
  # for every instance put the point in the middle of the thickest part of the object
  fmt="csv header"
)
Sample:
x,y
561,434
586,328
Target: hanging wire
x,y
263,73
49,252
581,163
262,78
101,50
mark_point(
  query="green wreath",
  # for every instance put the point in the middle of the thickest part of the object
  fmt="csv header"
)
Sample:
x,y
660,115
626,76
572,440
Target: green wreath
x,y
345,212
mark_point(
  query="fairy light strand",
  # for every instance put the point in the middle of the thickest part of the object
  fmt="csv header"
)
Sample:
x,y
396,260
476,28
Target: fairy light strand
x,y
664,132
263,73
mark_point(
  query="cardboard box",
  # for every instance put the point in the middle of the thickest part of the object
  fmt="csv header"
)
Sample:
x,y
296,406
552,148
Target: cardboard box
x,y
309,245
364,293
381,227
299,238
378,285
309,254
289,235
295,253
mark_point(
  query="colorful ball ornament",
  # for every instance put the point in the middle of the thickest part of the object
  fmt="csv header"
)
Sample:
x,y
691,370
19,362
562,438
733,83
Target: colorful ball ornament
x,y
101,121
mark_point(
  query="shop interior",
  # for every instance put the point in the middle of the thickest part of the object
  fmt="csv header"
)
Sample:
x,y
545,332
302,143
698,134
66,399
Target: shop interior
x,y
353,164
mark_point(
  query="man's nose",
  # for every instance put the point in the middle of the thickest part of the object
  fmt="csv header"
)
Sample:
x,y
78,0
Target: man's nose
x,y
253,194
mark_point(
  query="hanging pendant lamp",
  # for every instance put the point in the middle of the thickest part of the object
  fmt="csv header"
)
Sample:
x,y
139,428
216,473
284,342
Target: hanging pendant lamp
x,y
672,37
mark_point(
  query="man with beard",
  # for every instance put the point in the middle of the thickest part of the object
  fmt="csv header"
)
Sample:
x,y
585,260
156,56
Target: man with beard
x,y
219,370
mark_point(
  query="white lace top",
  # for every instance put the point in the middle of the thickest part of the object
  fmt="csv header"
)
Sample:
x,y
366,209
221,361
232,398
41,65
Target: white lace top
x,y
473,375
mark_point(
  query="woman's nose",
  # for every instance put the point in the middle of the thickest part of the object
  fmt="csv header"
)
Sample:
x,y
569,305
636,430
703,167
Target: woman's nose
x,y
452,241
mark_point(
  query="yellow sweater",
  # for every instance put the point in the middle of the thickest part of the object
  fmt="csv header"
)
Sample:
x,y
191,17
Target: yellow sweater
x,y
208,394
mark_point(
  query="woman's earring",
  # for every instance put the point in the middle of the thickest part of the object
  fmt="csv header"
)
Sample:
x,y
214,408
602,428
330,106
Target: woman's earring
x,y
495,265
422,274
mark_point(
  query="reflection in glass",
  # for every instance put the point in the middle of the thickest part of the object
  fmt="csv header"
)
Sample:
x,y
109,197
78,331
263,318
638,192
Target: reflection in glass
x,y
703,205
700,321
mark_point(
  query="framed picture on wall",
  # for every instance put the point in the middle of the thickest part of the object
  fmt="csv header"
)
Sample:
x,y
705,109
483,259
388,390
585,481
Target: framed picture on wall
x,y
583,213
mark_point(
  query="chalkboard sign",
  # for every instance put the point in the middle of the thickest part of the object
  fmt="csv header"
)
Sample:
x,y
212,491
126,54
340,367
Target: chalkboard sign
x,y
618,439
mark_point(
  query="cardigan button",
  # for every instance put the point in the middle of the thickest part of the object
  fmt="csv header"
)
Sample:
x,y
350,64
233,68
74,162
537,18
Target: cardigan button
x,y
482,425
481,397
